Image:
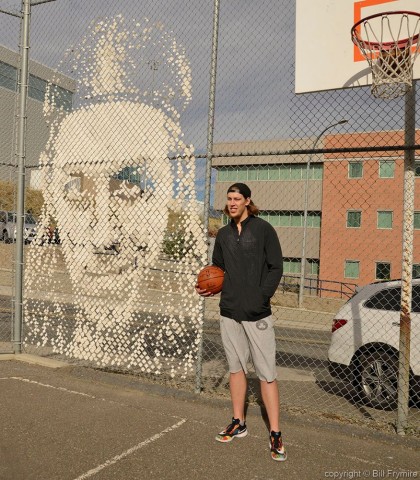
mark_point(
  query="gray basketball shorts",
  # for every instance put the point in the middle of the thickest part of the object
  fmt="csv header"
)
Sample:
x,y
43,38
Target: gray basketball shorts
x,y
255,340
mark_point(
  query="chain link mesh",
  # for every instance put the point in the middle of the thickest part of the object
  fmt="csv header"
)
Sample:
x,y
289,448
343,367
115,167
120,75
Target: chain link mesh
x,y
116,163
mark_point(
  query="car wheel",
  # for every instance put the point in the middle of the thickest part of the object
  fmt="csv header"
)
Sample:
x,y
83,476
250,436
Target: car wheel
x,y
5,237
378,379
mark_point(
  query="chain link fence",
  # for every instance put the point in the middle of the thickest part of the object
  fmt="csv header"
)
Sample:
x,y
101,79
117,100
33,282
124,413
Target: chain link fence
x,y
120,124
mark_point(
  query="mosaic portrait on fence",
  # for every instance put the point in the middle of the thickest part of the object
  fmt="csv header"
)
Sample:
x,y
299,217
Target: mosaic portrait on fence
x,y
115,285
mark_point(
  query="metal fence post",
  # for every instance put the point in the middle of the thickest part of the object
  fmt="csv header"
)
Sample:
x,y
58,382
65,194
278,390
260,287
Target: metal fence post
x,y
407,263
21,158
210,130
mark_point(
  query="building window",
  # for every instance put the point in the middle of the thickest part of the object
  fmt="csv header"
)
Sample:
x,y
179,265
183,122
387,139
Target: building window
x,y
226,174
276,218
417,220
351,269
37,88
274,172
61,97
264,216
314,219
355,169
291,265
416,270
282,172
295,219
385,219
386,168
417,169
313,266
383,271
354,219
8,76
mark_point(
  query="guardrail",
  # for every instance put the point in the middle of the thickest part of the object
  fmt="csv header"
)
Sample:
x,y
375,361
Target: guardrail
x,y
316,286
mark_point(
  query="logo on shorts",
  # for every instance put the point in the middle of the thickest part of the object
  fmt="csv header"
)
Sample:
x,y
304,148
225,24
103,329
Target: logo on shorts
x,y
262,325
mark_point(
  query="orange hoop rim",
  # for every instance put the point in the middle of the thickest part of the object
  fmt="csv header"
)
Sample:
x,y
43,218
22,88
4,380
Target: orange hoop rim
x,y
385,45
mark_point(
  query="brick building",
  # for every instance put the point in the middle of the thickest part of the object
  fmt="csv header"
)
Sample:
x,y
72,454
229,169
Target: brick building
x,y
354,204
362,210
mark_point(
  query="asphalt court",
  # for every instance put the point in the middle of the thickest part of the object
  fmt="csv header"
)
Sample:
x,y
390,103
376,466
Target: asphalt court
x,y
74,423
68,425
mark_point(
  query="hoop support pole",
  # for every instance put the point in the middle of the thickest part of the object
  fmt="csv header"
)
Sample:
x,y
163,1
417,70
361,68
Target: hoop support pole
x,y
407,264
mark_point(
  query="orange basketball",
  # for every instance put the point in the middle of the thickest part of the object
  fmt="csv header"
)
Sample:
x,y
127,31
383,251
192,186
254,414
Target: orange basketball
x,y
211,278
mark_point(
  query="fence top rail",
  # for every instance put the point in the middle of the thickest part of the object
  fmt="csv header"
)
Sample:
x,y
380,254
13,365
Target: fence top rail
x,y
376,148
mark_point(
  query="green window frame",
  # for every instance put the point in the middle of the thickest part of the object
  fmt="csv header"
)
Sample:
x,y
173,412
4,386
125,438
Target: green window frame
x,y
296,219
383,271
386,168
317,170
264,216
222,175
263,173
291,265
274,219
351,269
417,220
225,219
242,174
284,219
276,172
313,266
284,172
354,219
296,172
252,173
314,220
355,170
273,172
385,219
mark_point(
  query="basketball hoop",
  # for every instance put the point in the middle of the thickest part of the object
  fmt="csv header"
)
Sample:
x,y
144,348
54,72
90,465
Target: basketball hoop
x,y
389,41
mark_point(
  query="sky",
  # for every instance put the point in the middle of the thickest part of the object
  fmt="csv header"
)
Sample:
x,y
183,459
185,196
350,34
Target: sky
x,y
255,97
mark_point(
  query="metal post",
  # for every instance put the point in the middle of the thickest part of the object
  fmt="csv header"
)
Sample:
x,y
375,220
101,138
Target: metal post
x,y
407,263
21,158
305,214
207,189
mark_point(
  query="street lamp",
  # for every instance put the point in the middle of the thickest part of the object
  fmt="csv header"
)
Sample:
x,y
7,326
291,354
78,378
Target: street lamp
x,y
305,214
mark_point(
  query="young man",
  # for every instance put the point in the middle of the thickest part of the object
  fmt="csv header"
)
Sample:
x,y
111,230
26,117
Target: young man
x,y
248,250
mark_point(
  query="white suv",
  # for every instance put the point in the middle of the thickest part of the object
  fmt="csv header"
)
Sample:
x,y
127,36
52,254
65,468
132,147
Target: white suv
x,y
365,342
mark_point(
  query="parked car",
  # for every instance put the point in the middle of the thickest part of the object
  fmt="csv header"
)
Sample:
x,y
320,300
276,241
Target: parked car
x,y
8,227
365,343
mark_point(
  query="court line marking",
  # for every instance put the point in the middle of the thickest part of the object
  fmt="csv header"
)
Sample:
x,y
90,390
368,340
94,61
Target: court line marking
x,y
74,392
119,457
82,394
131,450
159,435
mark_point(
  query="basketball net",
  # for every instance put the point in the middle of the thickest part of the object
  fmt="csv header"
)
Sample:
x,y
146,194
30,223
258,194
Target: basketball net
x,y
390,43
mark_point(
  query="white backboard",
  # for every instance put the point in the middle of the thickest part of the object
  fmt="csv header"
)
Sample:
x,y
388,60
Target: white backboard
x,y
326,57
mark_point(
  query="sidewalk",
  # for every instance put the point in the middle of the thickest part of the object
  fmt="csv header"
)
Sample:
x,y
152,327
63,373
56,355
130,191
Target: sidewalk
x,y
62,422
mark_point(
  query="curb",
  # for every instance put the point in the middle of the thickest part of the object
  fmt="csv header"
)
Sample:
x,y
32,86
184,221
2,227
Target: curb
x,y
33,360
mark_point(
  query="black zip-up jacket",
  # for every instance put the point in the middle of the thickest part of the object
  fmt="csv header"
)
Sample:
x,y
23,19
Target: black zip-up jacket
x,y
253,265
